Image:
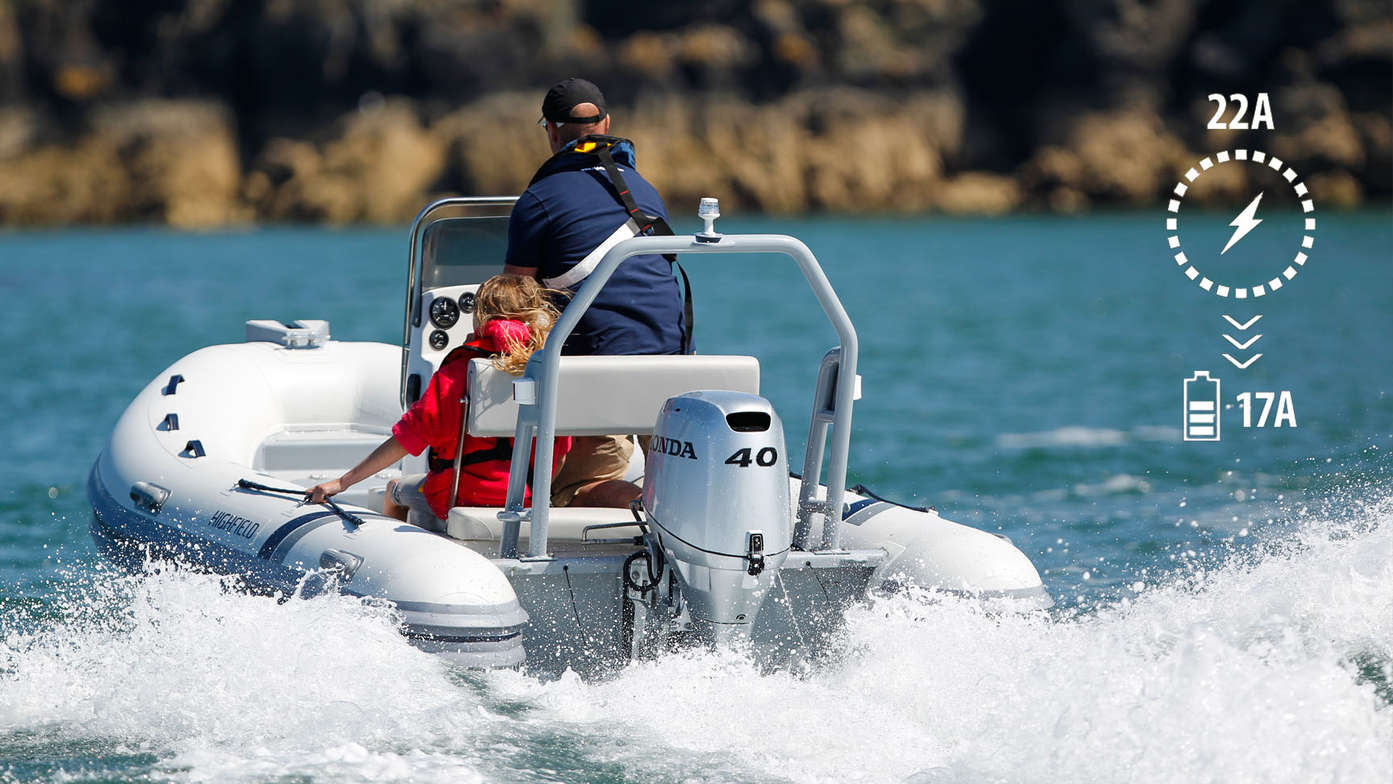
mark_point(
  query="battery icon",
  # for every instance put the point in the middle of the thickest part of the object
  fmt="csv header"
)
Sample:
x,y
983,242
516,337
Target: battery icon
x,y
1201,398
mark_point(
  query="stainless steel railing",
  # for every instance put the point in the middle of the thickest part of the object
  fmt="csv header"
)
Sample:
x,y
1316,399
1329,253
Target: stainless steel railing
x,y
538,420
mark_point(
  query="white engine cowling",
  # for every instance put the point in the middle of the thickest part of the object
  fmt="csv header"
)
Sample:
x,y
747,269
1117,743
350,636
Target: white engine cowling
x,y
716,492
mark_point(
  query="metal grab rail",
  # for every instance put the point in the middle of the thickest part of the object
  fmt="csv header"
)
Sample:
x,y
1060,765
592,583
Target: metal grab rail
x,y
538,419
824,414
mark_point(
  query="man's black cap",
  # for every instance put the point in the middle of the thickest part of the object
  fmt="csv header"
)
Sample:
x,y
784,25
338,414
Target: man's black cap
x,y
566,94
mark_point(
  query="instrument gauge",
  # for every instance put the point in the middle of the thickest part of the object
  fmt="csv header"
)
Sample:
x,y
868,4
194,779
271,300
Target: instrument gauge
x,y
439,339
466,302
444,313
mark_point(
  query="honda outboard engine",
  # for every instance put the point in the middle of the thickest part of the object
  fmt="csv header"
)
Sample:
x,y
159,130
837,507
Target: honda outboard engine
x,y
716,494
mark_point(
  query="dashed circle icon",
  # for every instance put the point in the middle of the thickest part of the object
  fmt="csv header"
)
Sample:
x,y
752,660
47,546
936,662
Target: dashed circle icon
x,y
1243,223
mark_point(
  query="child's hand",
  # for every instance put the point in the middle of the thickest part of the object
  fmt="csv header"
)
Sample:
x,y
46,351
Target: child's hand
x,y
323,490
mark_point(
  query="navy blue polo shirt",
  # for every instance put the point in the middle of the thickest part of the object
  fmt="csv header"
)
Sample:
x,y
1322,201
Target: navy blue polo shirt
x,y
570,208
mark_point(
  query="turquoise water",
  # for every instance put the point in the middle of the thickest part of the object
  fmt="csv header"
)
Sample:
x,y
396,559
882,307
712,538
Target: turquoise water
x,y
1226,610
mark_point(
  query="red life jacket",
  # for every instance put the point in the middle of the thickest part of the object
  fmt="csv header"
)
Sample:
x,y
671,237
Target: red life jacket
x,y
484,468
486,462
477,451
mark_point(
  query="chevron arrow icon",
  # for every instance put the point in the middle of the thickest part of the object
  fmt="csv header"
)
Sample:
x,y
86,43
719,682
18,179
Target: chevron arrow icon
x,y
1243,346
1242,365
1241,327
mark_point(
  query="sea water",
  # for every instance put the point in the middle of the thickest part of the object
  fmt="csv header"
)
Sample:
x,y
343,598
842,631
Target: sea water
x,y
1225,610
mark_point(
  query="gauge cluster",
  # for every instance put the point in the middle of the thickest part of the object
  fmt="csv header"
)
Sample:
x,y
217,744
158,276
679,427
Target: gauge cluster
x,y
448,323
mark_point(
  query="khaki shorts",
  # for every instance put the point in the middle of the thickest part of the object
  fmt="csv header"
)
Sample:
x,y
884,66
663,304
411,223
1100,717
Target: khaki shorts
x,y
591,459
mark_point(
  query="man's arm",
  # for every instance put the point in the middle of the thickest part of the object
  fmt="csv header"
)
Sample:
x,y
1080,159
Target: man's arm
x,y
526,272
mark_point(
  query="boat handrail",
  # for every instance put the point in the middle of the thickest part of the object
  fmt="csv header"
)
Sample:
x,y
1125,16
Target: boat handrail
x,y
537,413
413,281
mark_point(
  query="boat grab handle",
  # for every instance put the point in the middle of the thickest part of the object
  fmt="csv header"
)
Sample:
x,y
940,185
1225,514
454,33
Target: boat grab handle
x,y
348,517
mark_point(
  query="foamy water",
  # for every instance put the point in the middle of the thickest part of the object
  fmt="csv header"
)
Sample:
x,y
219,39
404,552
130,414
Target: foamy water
x,y
1272,666
1087,437
223,686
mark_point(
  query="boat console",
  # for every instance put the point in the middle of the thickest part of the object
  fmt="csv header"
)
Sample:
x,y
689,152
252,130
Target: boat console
x,y
455,245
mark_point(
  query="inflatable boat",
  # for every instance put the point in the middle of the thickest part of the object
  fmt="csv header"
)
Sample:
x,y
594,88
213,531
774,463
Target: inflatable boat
x,y
727,546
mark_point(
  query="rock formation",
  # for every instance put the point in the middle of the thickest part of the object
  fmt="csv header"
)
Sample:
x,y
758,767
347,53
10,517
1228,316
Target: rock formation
x,y
200,113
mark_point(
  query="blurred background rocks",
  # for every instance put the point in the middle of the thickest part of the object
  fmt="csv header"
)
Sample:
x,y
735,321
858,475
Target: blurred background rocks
x,y
202,113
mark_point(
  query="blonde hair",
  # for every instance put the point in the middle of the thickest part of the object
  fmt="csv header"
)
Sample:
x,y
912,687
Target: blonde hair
x,y
517,298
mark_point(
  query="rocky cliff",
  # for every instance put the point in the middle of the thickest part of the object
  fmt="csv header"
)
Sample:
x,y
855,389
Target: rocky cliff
x,y
207,112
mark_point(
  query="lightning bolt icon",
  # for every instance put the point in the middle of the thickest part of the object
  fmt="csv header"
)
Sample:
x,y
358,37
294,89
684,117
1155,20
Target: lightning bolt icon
x,y
1244,223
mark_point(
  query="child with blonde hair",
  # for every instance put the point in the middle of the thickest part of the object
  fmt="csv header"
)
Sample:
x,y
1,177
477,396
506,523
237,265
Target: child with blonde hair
x,y
512,316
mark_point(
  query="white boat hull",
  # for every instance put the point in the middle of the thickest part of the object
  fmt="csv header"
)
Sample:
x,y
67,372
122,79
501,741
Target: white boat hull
x,y
293,417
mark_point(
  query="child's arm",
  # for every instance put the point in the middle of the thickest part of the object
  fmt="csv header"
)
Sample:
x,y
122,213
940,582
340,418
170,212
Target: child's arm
x,y
386,453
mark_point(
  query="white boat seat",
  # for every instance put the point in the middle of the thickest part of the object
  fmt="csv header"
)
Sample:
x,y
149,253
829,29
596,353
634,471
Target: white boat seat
x,y
600,395
315,448
481,523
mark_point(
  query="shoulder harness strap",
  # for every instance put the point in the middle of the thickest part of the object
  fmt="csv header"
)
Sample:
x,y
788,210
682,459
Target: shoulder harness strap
x,y
499,450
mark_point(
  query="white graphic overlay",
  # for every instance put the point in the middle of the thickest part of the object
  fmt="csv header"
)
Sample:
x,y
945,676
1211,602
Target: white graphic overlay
x,y
1200,401
1244,223
1244,345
